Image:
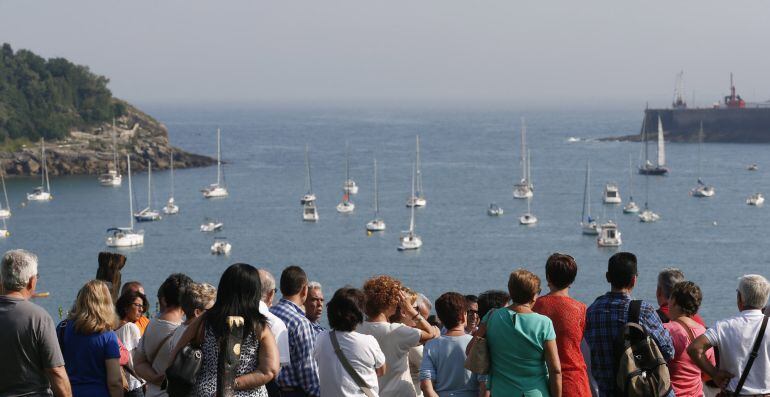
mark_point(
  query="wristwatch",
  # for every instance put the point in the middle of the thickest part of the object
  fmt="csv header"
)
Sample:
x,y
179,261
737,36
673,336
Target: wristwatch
x,y
417,317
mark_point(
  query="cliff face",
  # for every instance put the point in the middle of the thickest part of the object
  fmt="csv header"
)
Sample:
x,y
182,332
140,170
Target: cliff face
x,y
90,151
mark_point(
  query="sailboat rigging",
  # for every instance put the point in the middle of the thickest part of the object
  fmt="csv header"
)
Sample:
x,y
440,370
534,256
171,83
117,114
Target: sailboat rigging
x,y
112,177
409,239
347,206
701,190
631,207
587,223
126,236
171,208
216,190
524,189
148,214
376,224
648,168
5,212
42,192
309,209
349,186
417,199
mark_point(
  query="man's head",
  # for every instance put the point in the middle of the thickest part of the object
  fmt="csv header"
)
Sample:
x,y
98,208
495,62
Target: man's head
x,y
753,291
268,286
667,279
294,283
132,286
423,305
19,272
314,304
621,271
472,309
492,299
170,292
451,310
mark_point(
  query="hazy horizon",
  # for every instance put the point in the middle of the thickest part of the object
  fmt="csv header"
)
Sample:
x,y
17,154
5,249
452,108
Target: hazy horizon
x,y
499,53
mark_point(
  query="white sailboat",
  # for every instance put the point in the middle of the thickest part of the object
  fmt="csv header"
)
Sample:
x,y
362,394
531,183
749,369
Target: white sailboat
x,y
148,214
409,240
524,189
5,211
611,194
648,168
631,207
376,224
217,190
528,218
4,231
126,236
701,190
171,208
349,186
609,235
417,199
221,246
588,224
112,177
42,192
756,199
309,209
647,216
347,206
210,225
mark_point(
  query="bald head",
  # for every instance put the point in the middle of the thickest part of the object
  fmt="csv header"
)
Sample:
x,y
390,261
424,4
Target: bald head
x,y
268,286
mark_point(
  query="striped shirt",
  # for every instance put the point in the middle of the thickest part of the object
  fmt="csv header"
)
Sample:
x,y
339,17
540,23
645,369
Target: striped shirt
x,y
302,372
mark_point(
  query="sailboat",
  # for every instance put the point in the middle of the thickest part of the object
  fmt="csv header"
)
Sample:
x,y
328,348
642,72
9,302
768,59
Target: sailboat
x,y
528,218
409,239
5,212
702,190
524,189
647,215
347,206
631,207
126,236
417,199
588,224
309,209
609,235
171,208
648,168
221,246
349,186
376,224
42,192
218,189
495,210
756,199
148,214
112,177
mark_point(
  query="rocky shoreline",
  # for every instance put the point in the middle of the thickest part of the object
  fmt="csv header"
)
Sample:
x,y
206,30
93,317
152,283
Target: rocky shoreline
x,y
89,150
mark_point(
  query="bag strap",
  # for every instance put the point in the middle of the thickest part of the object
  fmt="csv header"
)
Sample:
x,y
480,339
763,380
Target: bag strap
x,y
634,311
157,349
752,356
690,335
349,368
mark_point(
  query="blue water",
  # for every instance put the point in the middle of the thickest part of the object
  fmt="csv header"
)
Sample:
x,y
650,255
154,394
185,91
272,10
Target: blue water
x,y
469,158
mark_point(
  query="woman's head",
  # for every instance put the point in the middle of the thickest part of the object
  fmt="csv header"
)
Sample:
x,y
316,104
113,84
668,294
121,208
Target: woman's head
x,y
197,298
451,309
560,270
131,306
686,297
238,294
523,286
170,292
345,309
93,311
382,295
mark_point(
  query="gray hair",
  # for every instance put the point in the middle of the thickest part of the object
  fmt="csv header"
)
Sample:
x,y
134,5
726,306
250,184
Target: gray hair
x,y
754,290
422,299
268,282
668,278
314,285
18,267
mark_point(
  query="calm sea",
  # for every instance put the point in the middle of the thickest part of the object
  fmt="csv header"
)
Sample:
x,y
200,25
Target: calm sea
x,y
469,158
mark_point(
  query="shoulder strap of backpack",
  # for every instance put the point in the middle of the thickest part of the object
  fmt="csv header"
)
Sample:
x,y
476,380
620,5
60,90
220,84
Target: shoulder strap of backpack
x,y
349,368
634,311
752,356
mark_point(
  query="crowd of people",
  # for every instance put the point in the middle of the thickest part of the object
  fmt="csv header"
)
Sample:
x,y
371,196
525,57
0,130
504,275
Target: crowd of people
x,y
386,339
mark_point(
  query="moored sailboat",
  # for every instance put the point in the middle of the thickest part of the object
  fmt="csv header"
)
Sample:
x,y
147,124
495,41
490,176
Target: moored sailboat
x,y
5,209
376,224
171,208
112,177
524,189
588,224
42,192
409,240
701,190
648,168
148,214
217,190
126,236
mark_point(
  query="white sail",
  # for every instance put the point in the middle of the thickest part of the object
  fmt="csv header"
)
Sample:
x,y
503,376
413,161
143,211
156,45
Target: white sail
x,y
661,145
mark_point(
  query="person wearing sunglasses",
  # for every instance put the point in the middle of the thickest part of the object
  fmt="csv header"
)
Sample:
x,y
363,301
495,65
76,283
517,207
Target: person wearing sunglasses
x,y
130,307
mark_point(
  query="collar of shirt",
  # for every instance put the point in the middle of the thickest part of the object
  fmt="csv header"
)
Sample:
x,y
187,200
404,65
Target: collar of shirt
x,y
291,304
618,295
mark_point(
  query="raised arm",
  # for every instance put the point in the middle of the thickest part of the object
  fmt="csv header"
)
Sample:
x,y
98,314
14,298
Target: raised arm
x,y
427,331
268,363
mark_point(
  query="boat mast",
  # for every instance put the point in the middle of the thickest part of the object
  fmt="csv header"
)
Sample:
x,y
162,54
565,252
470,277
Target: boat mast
x,y
130,192
347,162
630,175
419,173
5,192
644,138
307,166
45,180
411,219
586,194
376,192
115,149
172,173
523,151
149,184
219,160
661,145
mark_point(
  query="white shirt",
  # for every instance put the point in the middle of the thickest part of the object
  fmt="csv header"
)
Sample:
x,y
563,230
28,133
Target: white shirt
x,y
278,327
395,340
362,351
130,335
734,337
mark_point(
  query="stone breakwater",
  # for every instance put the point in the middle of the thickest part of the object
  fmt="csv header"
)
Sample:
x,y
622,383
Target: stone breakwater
x,y
90,150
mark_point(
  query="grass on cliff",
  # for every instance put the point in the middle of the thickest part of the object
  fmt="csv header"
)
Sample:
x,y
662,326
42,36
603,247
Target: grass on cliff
x,y
14,145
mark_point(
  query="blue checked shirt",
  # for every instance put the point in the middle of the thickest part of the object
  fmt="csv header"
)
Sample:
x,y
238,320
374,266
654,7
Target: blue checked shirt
x,y
604,320
302,372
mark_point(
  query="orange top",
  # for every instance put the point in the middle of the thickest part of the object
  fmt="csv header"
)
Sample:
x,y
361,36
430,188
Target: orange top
x,y
142,323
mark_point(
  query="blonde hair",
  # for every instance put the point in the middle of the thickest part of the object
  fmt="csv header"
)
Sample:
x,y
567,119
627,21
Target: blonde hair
x,y
93,311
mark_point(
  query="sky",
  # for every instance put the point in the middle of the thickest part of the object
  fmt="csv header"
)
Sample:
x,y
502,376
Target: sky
x,y
596,53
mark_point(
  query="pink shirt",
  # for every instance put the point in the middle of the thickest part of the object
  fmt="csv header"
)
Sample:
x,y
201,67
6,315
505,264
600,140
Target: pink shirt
x,y
685,375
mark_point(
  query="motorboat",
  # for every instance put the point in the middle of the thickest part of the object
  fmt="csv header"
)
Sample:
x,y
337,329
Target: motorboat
x,y
648,168
171,208
524,189
221,246
756,199
587,224
211,226
42,192
417,199
148,214
611,194
112,177
752,167
647,216
307,198
409,240
376,224
609,235
310,212
218,189
126,236
494,210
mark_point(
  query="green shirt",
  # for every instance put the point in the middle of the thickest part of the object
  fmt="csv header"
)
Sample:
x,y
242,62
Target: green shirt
x,y
516,344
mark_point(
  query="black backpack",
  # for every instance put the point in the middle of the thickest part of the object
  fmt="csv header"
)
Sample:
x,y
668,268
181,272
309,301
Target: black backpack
x,y
641,368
